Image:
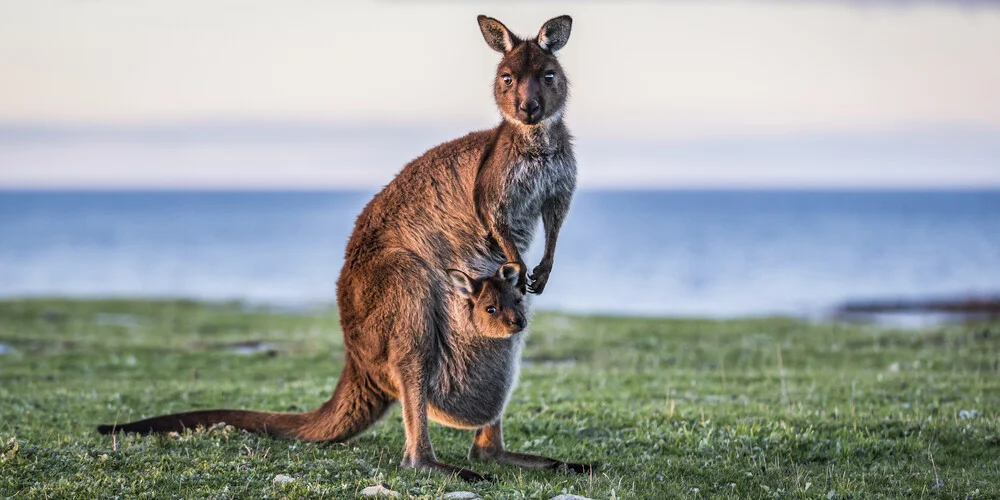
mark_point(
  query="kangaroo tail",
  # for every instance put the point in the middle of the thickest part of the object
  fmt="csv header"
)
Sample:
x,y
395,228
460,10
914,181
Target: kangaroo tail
x,y
258,421
355,405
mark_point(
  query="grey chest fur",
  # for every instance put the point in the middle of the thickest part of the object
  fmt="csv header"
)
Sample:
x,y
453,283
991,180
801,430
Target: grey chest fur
x,y
531,182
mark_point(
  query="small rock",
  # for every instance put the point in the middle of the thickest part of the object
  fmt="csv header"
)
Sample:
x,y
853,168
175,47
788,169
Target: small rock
x,y
968,414
282,479
570,497
381,489
253,347
462,495
894,367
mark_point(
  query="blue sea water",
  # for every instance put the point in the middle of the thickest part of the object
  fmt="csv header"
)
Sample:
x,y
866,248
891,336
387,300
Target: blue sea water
x,y
717,253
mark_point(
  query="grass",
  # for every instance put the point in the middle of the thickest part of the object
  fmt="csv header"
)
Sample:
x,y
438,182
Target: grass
x,y
757,408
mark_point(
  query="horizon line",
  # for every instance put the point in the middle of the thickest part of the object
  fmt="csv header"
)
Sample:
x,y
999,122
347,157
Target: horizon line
x,y
583,189
305,128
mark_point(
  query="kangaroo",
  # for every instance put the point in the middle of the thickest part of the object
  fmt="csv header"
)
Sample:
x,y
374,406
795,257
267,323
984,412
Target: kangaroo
x,y
461,210
472,383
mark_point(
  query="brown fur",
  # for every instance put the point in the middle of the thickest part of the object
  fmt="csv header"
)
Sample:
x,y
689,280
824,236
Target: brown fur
x,y
412,312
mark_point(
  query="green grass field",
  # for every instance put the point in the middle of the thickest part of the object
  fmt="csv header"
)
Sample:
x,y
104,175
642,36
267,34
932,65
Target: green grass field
x,y
759,408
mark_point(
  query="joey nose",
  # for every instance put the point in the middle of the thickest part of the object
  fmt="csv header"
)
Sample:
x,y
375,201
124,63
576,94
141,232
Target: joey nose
x,y
520,323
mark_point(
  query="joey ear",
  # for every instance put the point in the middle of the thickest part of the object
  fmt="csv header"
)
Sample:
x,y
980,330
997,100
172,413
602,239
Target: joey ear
x,y
509,272
497,36
462,283
555,33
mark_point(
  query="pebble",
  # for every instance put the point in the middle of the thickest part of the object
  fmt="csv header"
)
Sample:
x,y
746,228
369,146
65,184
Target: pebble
x,y
381,489
282,479
968,414
462,495
570,497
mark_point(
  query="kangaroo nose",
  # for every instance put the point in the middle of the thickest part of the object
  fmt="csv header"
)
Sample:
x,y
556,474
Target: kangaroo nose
x,y
531,107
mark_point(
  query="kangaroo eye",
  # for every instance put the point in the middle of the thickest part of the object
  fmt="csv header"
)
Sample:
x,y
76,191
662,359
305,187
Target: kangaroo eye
x,y
550,77
491,310
507,80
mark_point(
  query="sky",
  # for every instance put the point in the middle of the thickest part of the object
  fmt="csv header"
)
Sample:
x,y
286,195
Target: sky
x,y
211,93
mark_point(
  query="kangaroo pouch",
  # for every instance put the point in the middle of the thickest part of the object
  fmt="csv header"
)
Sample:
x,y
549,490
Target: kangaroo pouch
x,y
474,381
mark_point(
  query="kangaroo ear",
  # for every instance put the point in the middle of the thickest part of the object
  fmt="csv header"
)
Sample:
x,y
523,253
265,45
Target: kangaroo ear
x,y
462,283
509,272
555,33
497,36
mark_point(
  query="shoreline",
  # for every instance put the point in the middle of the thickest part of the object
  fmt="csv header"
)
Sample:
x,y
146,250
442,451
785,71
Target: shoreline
x,y
961,309
898,312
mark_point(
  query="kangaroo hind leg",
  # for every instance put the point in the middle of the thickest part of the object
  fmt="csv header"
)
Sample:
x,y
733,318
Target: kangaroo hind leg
x,y
411,374
419,454
413,317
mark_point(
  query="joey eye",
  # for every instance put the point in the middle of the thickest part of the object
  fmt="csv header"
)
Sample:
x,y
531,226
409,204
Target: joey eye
x,y
507,80
550,77
491,310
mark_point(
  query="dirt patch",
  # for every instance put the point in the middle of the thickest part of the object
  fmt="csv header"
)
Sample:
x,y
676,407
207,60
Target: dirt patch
x,y
250,348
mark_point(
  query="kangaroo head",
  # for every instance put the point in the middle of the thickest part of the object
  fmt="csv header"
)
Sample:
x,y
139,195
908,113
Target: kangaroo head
x,y
496,306
530,86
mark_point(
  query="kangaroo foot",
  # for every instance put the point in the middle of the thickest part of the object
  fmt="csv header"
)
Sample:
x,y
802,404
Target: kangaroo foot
x,y
441,467
488,446
527,461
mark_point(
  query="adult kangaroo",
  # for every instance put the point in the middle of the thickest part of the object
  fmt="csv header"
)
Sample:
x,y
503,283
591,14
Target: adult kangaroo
x,y
410,292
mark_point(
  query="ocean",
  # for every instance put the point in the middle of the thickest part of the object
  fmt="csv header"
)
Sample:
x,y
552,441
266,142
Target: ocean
x,y
687,253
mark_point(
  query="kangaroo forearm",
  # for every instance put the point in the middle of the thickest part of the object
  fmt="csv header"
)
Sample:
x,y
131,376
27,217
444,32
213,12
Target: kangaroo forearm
x,y
510,251
552,216
501,233
550,245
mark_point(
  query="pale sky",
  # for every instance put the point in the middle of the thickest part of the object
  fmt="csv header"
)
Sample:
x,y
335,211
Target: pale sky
x,y
667,75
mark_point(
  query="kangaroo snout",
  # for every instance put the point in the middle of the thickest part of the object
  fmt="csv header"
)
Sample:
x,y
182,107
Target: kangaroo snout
x,y
532,110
